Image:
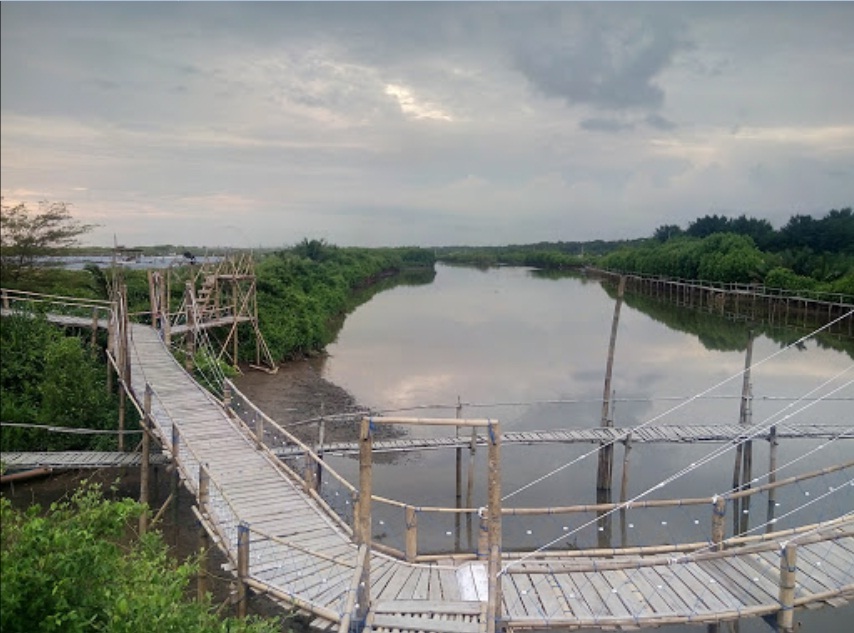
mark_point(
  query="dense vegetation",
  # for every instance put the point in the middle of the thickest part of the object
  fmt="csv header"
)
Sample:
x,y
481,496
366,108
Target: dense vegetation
x,y
302,290
543,255
50,378
81,568
806,254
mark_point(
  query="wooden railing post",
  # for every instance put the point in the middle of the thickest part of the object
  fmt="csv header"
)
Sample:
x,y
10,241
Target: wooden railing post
x,y
493,605
788,568
308,477
411,518
259,428
94,340
204,488
718,514
365,481
242,568
174,479
321,433
483,533
144,465
226,397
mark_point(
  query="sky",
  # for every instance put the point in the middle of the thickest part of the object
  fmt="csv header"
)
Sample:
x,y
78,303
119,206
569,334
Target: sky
x,y
423,123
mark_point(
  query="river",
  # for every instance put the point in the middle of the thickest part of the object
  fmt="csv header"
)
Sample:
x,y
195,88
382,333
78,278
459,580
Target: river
x,y
530,350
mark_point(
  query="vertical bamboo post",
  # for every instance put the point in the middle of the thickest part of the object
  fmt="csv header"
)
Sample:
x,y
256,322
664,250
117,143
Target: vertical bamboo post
x,y
174,479
235,314
227,397
204,538
624,484
165,325
743,421
483,533
5,300
259,428
364,507
152,296
144,465
190,303
242,568
411,518
606,451
93,342
365,481
458,480
321,437
493,605
122,407
204,563
718,515
788,568
308,473
772,477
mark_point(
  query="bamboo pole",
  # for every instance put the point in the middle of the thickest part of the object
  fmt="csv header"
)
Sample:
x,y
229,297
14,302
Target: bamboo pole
x,y
144,466
718,514
204,563
788,569
773,442
321,436
411,518
493,606
606,451
364,536
174,478
242,569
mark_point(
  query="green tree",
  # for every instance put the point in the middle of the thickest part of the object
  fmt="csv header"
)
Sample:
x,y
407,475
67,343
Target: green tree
x,y
80,568
26,235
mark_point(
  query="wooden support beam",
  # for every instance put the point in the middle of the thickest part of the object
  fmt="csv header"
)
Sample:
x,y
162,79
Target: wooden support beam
x,y
718,515
411,518
242,569
788,569
606,451
145,466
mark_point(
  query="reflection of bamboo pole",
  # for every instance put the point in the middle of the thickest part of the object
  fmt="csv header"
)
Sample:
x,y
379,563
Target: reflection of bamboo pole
x,y
772,477
738,478
458,480
606,451
493,605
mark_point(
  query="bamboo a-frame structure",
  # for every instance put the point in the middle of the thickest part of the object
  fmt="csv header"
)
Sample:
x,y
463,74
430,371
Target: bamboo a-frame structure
x,y
217,297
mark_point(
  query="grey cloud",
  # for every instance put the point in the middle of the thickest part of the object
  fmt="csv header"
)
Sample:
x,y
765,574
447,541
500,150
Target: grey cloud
x,y
605,125
600,68
659,122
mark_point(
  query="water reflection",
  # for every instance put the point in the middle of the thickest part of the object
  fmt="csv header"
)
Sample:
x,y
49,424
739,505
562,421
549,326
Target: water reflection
x,y
530,350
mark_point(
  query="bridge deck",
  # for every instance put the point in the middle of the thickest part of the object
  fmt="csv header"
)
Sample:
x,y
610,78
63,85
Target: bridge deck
x,y
647,435
299,552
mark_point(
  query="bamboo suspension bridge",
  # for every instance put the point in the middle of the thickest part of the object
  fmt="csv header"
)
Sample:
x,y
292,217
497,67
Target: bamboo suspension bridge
x,y
262,497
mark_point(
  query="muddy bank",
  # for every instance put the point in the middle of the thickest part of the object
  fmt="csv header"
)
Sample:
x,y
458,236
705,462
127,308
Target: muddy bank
x,y
298,394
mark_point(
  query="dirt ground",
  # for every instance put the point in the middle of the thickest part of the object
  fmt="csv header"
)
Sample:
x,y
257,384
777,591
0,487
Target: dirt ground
x,y
296,394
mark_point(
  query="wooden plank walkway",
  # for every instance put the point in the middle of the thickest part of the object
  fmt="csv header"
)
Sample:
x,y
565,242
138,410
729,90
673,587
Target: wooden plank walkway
x,y
76,460
300,553
721,433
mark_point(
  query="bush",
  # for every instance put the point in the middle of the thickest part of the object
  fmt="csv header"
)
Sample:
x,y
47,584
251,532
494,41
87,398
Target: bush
x,y
79,568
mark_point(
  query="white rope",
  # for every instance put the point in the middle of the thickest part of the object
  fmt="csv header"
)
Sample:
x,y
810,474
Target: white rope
x,y
758,429
625,434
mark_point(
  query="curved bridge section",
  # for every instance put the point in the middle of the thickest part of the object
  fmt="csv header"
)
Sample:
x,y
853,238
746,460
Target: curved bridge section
x,y
283,538
301,552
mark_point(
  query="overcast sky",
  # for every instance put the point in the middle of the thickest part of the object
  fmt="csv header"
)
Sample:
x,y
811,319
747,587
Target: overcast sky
x,y
249,124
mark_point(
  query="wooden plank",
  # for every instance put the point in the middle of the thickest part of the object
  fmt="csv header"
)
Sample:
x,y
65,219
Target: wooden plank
x,y
456,607
651,586
403,623
449,585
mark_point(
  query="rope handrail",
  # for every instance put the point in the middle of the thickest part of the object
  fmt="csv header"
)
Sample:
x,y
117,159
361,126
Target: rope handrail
x,y
26,295
844,299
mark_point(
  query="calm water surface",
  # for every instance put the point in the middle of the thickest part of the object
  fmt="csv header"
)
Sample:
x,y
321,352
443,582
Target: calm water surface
x,y
530,351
